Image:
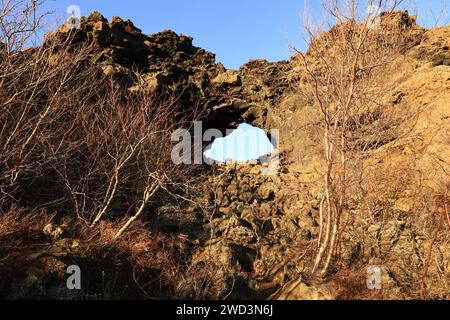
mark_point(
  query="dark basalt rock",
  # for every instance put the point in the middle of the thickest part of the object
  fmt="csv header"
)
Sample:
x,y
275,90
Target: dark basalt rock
x,y
169,62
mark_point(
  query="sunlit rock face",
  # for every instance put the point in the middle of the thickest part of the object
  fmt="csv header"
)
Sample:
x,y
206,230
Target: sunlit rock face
x,y
245,143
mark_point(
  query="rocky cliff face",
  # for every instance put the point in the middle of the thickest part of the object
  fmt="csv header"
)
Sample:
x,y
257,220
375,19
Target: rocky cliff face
x,y
167,61
261,232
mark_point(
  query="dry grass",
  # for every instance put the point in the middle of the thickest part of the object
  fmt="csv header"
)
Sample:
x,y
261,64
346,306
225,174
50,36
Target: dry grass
x,y
143,264
19,228
350,284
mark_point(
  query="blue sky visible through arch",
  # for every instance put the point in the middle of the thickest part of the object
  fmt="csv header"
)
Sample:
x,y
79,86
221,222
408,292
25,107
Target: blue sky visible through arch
x,y
245,143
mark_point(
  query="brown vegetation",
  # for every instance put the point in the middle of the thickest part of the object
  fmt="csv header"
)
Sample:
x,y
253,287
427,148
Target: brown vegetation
x,y
78,144
86,175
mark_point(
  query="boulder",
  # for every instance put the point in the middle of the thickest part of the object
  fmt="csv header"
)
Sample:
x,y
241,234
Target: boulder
x,y
299,290
398,19
228,78
267,191
53,231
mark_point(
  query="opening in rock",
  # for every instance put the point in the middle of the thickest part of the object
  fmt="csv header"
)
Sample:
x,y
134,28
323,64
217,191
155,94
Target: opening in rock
x,y
245,143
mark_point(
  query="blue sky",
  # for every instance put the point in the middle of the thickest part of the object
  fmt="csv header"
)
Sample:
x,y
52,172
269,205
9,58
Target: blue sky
x,y
243,144
236,30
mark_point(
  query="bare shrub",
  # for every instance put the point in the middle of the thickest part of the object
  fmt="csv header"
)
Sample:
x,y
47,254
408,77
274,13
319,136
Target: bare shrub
x,y
20,21
19,228
441,229
343,71
75,141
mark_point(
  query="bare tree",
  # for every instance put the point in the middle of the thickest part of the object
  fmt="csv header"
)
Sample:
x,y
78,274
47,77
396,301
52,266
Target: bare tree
x,y
343,72
20,21
33,85
94,151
